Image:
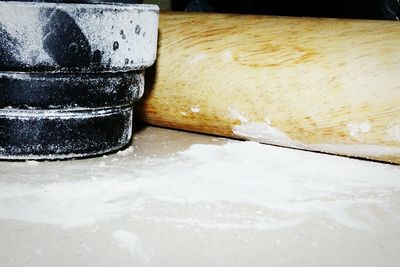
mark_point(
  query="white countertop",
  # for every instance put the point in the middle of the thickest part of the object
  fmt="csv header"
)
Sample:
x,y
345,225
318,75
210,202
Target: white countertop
x,y
183,199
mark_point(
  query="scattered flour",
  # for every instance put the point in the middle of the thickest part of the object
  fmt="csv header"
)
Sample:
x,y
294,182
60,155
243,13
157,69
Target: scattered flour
x,y
25,21
32,163
357,128
236,114
198,57
394,132
129,241
236,185
263,132
195,109
126,151
227,56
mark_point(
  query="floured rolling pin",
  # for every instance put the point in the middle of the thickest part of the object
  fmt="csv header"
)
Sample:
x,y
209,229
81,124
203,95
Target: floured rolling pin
x,y
69,76
324,85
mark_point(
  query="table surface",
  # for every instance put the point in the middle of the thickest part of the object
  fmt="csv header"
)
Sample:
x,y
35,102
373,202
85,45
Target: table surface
x,y
181,199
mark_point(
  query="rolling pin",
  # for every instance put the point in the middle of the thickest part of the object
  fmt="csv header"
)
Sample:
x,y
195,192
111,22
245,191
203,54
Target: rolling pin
x,y
327,85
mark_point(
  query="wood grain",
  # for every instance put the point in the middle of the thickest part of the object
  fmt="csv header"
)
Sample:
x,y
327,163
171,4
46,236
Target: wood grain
x,y
318,84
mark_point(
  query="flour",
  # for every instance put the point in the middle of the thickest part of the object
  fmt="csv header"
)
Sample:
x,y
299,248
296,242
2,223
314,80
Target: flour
x,y
136,49
357,128
394,132
129,241
126,151
195,109
198,57
236,114
227,56
236,185
263,132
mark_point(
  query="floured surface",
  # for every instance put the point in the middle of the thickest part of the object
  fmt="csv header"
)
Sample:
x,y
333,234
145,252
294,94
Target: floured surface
x,y
180,199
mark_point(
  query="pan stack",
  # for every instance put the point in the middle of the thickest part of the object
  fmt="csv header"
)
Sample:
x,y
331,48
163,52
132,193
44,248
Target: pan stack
x,y
69,76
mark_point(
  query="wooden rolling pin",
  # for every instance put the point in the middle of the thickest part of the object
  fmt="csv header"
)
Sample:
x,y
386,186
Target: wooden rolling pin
x,y
324,85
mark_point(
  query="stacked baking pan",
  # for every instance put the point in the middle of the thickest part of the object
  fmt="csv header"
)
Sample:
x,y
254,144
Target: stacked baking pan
x,y
69,76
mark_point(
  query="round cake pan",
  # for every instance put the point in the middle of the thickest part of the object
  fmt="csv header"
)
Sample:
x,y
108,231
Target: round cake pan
x,y
39,135
69,90
70,37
